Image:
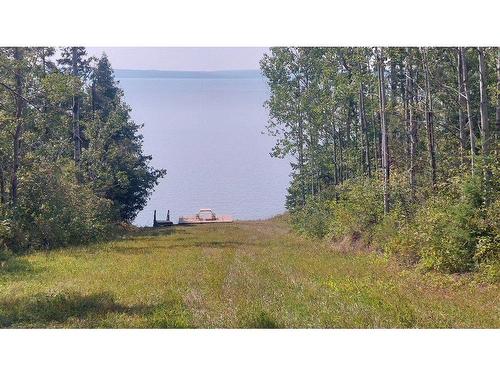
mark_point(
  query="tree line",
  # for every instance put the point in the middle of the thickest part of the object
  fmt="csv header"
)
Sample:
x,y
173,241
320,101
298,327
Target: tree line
x,y
71,158
414,120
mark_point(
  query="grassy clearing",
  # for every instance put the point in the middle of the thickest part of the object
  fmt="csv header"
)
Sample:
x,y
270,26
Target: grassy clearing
x,y
246,274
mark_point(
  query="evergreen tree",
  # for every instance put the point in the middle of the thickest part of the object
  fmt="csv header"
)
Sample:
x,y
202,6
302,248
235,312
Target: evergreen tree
x,y
50,132
114,162
104,90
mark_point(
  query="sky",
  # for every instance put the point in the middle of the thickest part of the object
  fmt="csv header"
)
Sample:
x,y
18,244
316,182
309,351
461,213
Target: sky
x,y
182,58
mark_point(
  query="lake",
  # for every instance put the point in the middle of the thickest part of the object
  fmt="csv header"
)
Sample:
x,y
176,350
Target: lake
x,y
207,133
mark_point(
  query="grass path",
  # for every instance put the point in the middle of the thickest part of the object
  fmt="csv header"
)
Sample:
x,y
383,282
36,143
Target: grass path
x,y
245,274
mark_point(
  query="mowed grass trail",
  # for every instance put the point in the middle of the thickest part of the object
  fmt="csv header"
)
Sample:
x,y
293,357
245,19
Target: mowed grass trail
x,y
245,274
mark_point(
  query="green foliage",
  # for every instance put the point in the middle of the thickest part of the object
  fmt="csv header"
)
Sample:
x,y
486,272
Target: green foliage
x,y
450,232
47,199
105,92
54,210
114,164
313,219
5,238
390,226
252,275
5,232
325,112
5,255
60,88
487,253
358,208
445,236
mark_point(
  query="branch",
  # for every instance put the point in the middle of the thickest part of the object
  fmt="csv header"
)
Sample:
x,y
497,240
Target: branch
x,y
13,92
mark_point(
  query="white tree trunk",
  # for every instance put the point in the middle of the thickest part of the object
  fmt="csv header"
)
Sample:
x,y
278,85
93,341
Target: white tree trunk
x,y
465,72
76,112
383,126
485,124
16,155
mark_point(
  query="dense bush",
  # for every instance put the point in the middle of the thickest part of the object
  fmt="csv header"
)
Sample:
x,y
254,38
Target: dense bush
x,y
440,237
487,254
71,157
452,232
5,236
358,208
346,211
314,218
449,232
337,131
54,210
388,228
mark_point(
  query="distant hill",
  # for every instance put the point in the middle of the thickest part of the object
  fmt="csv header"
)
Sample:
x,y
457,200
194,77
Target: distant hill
x,y
169,74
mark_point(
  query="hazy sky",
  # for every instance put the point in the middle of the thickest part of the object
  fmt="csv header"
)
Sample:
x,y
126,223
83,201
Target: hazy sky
x,y
182,58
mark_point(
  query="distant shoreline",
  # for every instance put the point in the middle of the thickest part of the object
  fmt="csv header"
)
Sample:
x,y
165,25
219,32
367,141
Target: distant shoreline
x,y
178,74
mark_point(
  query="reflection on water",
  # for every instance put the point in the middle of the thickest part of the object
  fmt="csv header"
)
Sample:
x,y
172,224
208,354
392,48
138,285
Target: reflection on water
x,y
207,134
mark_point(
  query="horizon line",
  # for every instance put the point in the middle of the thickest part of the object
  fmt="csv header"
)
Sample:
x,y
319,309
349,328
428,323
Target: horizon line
x,y
189,70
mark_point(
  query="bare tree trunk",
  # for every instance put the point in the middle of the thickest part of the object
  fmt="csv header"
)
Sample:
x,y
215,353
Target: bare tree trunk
x,y
406,114
375,142
406,110
465,72
497,130
383,126
312,163
393,85
485,125
429,120
335,170
301,160
341,158
412,126
364,129
76,112
301,163
461,105
16,157
2,186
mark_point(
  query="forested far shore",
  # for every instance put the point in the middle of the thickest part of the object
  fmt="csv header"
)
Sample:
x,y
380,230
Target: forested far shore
x,y
394,147
71,158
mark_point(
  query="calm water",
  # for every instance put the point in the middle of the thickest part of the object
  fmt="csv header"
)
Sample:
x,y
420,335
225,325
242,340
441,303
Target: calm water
x,y
207,134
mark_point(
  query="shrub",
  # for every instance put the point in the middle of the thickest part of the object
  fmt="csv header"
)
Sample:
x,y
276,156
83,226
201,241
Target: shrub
x,y
389,227
404,246
445,232
5,232
442,237
313,218
449,232
487,249
487,252
358,209
54,210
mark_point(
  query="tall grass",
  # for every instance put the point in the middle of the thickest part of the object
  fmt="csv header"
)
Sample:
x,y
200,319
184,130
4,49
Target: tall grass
x,y
240,275
450,231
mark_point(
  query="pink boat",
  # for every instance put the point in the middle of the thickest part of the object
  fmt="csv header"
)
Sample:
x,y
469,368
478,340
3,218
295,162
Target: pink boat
x,y
205,216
